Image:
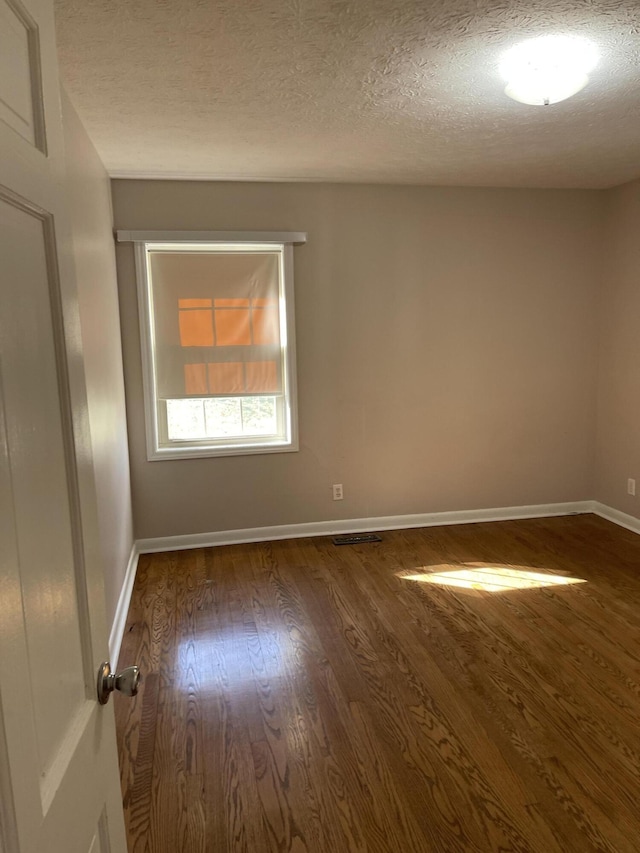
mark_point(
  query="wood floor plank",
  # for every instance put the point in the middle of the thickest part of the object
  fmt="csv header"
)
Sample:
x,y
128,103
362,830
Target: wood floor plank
x,y
438,707
300,670
303,698
486,824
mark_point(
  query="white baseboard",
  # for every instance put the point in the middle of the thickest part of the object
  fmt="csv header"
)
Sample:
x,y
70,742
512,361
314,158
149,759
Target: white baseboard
x,y
122,608
617,517
333,528
357,525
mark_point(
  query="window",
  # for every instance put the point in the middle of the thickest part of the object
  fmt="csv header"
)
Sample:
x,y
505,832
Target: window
x,y
217,338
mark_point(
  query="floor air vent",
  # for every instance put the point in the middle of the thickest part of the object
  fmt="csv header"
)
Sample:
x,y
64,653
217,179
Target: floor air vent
x,y
356,538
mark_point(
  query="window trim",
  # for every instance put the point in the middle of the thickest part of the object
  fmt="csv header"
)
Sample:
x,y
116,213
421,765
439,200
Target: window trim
x,y
143,242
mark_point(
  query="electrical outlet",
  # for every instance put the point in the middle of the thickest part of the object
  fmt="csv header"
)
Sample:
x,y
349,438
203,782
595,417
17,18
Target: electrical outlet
x,y
337,492
631,486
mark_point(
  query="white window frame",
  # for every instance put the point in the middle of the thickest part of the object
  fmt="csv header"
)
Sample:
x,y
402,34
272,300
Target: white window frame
x,y
144,241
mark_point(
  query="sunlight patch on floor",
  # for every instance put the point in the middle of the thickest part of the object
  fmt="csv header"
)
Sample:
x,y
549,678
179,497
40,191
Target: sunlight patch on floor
x,y
492,579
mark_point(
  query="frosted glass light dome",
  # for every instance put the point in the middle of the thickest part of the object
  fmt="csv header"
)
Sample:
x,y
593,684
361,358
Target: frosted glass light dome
x,y
548,69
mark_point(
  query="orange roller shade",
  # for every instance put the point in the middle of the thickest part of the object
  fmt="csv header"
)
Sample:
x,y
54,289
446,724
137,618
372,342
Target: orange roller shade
x,y
194,303
195,379
232,327
232,303
265,326
196,328
261,376
226,378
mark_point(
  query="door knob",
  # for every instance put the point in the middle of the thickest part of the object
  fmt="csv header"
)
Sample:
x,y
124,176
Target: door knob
x,y
126,682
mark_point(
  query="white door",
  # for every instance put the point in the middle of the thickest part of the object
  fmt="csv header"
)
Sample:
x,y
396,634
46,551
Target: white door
x,y
59,787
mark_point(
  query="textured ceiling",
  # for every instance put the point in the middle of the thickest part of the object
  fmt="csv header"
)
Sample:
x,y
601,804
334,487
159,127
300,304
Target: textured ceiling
x,y
402,91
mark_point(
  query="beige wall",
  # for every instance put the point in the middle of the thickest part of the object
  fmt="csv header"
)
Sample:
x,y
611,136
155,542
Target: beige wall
x,y
446,352
618,444
91,221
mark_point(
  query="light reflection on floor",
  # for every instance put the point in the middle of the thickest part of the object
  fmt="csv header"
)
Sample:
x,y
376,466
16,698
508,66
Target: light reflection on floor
x,y
491,578
234,659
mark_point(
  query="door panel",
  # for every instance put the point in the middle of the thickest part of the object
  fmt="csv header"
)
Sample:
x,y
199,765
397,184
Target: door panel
x,y
20,90
31,402
59,785
100,843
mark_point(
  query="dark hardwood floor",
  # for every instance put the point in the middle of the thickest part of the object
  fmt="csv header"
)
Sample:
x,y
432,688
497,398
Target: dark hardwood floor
x,y
299,696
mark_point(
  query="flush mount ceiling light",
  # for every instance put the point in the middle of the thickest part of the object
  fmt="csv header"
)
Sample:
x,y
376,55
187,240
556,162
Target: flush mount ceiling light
x,y
545,70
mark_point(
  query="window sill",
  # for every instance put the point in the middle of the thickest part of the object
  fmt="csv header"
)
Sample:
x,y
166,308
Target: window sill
x,y
168,453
